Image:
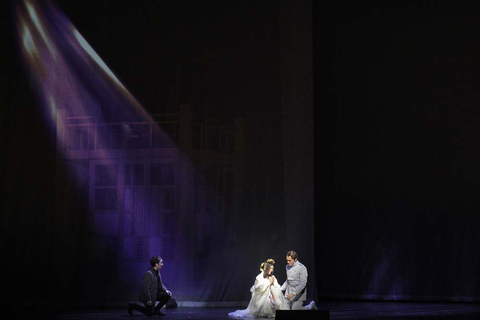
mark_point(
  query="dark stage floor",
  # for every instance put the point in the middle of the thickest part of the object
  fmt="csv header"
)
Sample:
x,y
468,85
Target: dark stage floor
x,y
338,310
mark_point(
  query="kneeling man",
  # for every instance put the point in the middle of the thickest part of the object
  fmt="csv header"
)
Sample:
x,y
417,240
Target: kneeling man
x,y
153,290
295,285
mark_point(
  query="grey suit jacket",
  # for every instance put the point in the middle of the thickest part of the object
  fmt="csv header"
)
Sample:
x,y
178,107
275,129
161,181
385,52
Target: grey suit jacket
x,y
296,281
151,287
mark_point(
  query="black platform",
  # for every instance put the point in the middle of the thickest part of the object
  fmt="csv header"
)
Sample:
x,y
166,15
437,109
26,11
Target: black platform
x,y
303,315
337,310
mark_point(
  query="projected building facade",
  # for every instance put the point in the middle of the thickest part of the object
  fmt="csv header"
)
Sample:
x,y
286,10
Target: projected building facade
x,y
145,199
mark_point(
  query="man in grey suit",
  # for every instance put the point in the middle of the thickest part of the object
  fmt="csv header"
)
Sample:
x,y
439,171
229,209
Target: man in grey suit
x,y
153,290
295,285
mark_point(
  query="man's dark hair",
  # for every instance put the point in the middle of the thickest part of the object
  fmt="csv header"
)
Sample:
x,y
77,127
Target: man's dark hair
x,y
292,254
155,260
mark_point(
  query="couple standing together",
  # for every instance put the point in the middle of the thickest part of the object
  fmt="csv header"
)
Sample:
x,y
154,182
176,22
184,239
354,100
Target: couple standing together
x,y
268,295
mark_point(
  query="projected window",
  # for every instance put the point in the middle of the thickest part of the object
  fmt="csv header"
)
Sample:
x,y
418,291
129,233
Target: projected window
x,y
106,174
197,134
214,190
111,250
202,192
110,136
79,133
162,180
212,138
105,193
162,174
227,141
140,249
226,190
106,199
137,136
168,133
168,199
172,130
134,174
80,137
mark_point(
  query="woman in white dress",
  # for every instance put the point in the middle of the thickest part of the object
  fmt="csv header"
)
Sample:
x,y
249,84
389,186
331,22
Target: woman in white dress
x,y
266,295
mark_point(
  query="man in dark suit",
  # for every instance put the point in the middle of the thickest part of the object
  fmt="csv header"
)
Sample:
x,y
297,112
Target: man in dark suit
x,y
153,290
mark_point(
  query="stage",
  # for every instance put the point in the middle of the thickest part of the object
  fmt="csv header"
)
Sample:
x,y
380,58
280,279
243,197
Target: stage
x,y
338,310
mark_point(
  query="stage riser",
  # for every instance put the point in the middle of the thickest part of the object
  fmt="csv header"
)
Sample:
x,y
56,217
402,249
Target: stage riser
x,y
302,315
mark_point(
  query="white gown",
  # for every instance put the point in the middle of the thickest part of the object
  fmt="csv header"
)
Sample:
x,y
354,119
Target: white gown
x,y
265,300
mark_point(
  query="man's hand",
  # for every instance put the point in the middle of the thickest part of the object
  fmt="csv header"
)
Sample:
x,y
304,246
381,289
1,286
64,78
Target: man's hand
x,y
149,303
290,296
168,292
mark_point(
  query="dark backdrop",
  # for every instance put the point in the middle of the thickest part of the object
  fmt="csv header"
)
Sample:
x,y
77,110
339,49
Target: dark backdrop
x,y
397,158
400,94
226,59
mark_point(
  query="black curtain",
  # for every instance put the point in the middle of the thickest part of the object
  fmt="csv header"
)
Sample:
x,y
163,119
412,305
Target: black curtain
x,y
400,107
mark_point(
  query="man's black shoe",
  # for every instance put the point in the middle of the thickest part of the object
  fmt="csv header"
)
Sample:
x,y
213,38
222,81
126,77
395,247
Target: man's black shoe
x,y
130,307
160,313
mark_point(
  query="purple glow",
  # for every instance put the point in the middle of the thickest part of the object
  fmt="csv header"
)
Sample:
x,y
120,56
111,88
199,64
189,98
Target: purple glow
x,y
139,183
